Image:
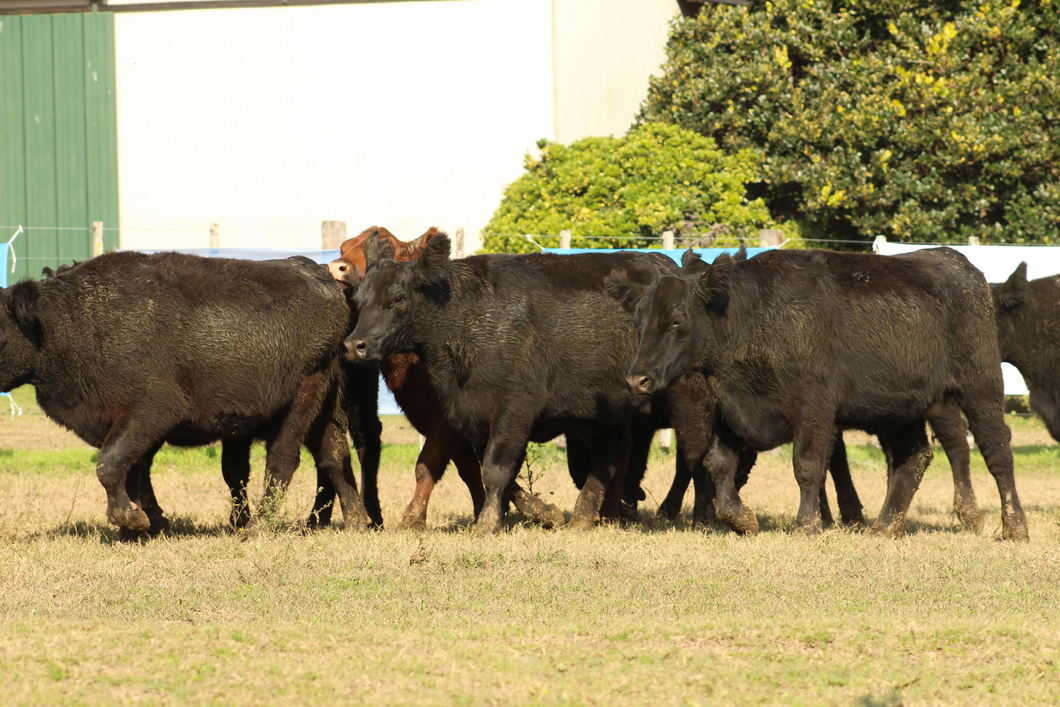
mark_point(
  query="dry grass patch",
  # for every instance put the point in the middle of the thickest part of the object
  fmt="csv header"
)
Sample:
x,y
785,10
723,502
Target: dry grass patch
x,y
658,614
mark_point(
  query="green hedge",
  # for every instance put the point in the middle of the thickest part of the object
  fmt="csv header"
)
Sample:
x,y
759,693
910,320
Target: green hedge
x,y
920,121
604,189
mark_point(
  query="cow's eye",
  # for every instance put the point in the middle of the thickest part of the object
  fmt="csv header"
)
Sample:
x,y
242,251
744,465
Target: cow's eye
x,y
676,324
398,299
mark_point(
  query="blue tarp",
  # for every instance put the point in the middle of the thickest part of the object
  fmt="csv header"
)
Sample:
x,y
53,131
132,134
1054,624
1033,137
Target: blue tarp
x,y
5,250
708,254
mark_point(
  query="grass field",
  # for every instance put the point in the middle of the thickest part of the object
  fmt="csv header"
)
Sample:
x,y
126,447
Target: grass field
x,y
660,614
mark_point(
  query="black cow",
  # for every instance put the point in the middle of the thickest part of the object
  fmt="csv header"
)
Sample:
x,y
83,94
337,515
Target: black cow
x,y
1029,339
796,343
518,348
130,350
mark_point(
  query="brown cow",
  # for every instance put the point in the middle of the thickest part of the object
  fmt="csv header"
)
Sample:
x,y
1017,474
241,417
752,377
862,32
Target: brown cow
x,y
406,377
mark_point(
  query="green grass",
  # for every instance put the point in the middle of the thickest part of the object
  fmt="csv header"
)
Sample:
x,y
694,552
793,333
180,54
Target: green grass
x,y
654,614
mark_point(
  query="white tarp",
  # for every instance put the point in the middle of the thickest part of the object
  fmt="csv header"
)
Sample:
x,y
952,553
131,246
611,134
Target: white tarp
x,y
996,262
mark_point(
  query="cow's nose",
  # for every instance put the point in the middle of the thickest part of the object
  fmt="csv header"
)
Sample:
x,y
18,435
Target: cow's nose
x,y
639,383
356,349
338,269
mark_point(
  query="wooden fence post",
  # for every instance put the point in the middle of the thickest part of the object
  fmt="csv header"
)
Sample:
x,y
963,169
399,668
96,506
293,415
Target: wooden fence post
x,y
458,243
332,234
215,235
668,240
973,240
770,237
564,238
97,238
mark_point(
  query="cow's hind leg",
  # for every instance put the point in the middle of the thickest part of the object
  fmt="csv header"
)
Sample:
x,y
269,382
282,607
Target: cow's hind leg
x,y
610,454
992,435
361,401
140,489
951,432
850,509
282,450
438,448
675,498
908,455
327,443
235,468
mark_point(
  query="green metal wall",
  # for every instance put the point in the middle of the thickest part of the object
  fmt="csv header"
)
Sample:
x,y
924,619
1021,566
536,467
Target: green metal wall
x,y
58,136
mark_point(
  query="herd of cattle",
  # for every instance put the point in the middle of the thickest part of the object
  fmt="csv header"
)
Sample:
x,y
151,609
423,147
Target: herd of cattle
x,y
487,353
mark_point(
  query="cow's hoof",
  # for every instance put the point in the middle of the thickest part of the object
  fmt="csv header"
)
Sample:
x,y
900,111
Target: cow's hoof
x,y
892,530
159,525
412,524
1014,532
810,528
669,511
746,523
132,519
580,525
488,523
971,517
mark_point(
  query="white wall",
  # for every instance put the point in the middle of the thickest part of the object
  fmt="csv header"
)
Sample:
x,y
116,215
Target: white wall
x,y
404,115
605,50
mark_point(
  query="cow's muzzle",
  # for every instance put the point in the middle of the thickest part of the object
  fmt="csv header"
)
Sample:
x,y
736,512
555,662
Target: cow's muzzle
x,y
640,384
357,350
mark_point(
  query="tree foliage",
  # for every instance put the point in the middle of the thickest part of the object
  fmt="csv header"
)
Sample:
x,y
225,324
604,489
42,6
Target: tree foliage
x,y
605,190
921,121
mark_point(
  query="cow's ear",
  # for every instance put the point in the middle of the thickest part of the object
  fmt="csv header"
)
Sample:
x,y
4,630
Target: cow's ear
x,y
712,287
741,254
413,249
25,307
433,264
1011,293
692,262
377,248
621,288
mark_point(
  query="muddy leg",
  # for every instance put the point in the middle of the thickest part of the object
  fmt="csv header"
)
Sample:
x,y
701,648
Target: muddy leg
x,y
951,433
610,450
140,489
992,435
909,454
812,448
503,455
721,462
116,458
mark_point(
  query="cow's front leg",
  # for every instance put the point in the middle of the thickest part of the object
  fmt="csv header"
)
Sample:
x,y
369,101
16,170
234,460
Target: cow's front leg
x,y
721,462
812,448
504,453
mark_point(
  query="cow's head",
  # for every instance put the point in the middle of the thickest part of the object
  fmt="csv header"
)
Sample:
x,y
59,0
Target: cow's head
x,y
21,333
390,293
671,316
349,267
